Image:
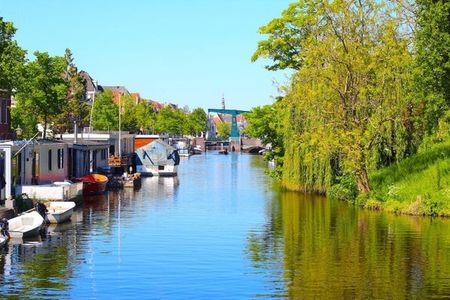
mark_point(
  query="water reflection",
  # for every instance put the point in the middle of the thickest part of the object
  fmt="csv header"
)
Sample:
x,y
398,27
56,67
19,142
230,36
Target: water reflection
x,y
330,250
224,225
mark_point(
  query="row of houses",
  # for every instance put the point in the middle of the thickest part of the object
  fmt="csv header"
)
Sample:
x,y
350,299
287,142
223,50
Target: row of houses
x,y
93,89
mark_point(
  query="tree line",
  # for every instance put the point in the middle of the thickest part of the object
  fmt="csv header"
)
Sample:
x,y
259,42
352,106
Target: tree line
x,y
370,87
50,90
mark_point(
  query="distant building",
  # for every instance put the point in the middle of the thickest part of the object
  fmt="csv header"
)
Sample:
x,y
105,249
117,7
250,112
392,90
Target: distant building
x,y
92,87
117,92
136,97
157,106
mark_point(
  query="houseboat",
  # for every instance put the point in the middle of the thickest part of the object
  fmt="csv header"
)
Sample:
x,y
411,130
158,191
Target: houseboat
x,y
157,158
39,168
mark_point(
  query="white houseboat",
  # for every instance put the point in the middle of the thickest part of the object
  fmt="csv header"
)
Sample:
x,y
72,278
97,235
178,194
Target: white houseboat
x,y
157,158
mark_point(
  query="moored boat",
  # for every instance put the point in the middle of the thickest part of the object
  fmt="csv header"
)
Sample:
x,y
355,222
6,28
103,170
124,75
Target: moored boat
x,y
26,225
93,183
59,211
132,180
223,151
184,152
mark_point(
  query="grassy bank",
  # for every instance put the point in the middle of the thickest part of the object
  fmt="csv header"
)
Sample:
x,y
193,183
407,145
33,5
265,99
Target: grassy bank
x,y
419,185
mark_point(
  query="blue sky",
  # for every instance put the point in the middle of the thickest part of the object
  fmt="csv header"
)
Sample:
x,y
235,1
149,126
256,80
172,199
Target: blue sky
x,y
184,52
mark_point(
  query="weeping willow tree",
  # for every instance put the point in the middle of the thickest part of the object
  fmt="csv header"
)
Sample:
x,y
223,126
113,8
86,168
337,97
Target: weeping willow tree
x,y
349,100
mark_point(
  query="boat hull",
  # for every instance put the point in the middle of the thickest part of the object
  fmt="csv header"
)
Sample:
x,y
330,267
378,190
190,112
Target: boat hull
x,y
93,184
150,170
25,226
94,188
61,217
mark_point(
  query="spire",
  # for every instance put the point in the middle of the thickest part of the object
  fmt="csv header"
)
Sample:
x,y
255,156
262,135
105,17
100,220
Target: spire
x,y
223,101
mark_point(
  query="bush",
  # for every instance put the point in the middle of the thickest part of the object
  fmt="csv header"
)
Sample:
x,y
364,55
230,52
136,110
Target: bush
x,y
346,189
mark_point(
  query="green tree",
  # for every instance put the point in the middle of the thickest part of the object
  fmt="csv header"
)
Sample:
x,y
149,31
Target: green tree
x,y
285,37
12,58
433,58
223,130
267,123
128,113
44,91
350,93
76,109
145,117
171,121
197,121
105,113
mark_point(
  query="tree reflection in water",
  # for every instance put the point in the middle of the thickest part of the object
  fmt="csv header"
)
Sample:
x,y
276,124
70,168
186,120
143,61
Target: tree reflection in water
x,y
329,249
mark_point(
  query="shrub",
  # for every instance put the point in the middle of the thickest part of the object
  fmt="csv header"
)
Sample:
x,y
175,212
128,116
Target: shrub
x,y
346,189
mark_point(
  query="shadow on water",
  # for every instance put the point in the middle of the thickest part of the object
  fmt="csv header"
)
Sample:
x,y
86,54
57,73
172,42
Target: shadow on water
x,y
328,249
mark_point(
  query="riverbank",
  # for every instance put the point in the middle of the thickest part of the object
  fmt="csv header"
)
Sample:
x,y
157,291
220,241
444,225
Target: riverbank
x,y
418,185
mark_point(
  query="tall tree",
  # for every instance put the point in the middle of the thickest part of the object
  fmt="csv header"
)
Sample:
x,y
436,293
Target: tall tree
x,y
76,109
350,90
433,57
12,58
44,90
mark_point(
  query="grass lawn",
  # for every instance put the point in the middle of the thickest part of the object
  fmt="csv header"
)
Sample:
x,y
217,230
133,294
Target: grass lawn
x,y
418,185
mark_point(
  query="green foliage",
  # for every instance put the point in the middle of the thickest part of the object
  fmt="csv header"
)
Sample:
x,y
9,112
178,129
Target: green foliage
x,y
75,108
105,114
285,37
432,72
171,121
128,113
223,130
266,123
19,119
346,189
349,107
12,58
145,117
197,122
44,90
416,185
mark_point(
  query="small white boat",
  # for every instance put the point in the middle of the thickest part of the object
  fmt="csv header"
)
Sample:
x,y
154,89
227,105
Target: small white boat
x,y
59,211
26,225
184,152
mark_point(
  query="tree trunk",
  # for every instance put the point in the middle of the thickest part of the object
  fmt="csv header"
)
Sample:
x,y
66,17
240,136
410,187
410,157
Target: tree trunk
x,y
362,180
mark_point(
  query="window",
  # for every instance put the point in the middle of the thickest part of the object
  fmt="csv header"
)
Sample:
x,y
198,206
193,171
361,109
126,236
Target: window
x,y
160,168
103,154
60,158
50,159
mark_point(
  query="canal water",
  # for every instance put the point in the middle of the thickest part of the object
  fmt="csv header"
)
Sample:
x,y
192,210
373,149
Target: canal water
x,y
222,230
